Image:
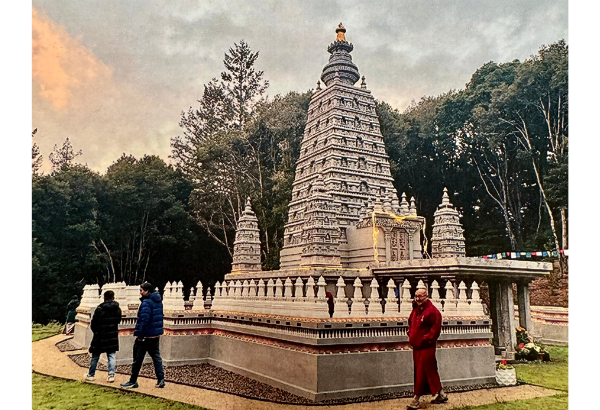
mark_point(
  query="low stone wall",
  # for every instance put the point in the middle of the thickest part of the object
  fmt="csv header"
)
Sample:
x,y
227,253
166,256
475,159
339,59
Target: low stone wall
x,y
314,358
550,324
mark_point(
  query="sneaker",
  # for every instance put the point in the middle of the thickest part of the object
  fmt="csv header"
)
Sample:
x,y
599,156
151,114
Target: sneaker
x,y
160,384
441,397
88,377
110,379
130,385
414,404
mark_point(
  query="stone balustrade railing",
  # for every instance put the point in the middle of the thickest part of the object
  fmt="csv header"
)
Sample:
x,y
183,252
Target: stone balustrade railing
x,y
307,298
302,297
127,296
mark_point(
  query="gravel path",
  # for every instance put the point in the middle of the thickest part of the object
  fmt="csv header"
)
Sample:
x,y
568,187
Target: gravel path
x,y
52,357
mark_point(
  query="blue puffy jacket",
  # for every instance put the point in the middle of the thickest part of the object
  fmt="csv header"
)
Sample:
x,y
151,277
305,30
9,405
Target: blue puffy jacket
x,y
150,316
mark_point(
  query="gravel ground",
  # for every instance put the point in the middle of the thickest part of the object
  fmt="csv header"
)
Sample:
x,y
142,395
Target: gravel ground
x,y
66,346
214,378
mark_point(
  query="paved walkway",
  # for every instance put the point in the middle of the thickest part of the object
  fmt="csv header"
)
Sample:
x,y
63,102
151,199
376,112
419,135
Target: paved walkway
x,y
47,359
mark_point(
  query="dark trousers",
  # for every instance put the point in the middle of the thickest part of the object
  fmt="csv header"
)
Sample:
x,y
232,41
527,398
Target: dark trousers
x,y
139,352
427,379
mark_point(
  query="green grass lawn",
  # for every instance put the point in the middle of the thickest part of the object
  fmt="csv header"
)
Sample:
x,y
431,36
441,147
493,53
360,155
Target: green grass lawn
x,y
553,375
558,402
58,394
39,332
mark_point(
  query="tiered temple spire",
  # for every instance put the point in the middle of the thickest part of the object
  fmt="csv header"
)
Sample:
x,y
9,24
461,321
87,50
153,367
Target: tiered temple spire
x,y
246,248
447,240
342,150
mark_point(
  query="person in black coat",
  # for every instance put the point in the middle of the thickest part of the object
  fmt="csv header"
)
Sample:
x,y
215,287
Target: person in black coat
x,y
105,325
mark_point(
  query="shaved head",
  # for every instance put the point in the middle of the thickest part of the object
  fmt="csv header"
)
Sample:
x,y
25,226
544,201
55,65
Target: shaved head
x,y
420,296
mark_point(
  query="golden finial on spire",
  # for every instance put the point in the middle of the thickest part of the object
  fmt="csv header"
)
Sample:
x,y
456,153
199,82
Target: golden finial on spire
x,y
340,33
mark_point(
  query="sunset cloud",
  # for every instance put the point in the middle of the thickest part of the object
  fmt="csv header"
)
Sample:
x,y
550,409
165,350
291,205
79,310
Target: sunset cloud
x,y
61,65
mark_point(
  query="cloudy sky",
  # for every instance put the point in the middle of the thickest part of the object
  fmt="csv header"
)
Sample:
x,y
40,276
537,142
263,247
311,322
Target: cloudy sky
x,y
114,76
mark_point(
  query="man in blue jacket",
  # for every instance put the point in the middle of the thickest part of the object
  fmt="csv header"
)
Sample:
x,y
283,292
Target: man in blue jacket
x,y
148,329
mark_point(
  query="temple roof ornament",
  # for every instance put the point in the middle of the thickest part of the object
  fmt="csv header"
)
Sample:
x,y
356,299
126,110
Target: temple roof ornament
x,y
341,36
447,240
340,62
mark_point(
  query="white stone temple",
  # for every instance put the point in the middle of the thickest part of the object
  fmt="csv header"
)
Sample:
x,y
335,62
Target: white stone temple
x,y
332,322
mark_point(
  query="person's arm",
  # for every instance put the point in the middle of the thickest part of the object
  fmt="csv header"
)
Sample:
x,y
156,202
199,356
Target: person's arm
x,y
435,319
143,320
120,314
96,319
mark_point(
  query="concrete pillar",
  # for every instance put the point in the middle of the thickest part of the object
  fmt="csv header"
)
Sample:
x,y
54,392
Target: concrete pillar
x,y
524,307
506,317
494,290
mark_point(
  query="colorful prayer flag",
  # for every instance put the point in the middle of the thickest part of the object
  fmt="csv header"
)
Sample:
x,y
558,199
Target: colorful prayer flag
x,y
528,254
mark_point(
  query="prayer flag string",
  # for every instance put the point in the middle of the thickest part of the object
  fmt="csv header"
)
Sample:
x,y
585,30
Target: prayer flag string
x,y
518,255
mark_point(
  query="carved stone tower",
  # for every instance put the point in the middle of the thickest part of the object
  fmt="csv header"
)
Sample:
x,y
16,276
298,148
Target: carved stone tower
x,y
246,248
343,148
320,233
447,240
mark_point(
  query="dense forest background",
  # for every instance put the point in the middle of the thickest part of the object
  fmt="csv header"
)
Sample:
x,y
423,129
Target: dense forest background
x,y
500,146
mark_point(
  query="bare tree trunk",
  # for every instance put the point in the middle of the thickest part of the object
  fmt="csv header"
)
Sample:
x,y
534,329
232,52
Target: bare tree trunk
x,y
207,227
143,227
565,243
112,266
564,228
526,143
145,268
500,199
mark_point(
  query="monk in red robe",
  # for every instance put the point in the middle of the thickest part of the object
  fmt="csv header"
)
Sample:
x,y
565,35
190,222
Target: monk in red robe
x,y
424,327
